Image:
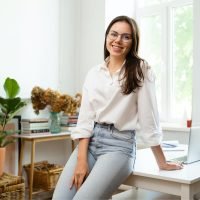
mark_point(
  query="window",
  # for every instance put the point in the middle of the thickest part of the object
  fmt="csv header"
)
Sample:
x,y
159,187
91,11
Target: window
x,y
166,28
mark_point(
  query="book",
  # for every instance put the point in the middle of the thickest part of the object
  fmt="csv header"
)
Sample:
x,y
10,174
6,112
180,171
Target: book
x,y
35,131
26,125
35,120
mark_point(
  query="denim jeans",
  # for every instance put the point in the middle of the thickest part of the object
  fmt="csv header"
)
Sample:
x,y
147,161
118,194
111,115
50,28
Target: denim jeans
x,y
111,158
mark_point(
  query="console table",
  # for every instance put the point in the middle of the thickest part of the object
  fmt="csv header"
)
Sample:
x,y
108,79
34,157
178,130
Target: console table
x,y
35,138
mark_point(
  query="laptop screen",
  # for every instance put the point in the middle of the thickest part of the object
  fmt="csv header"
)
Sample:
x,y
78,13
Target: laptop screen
x,y
194,145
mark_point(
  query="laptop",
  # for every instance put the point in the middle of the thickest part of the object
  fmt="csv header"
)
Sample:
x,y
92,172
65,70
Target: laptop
x,y
193,153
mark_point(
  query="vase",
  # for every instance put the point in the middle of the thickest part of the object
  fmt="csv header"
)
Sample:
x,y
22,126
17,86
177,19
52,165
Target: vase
x,y
2,159
55,122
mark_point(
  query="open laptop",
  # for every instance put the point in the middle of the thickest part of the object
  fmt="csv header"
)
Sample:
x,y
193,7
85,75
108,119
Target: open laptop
x,y
193,154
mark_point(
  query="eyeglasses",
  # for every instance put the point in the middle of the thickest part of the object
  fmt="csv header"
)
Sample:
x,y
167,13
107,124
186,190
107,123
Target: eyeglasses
x,y
125,37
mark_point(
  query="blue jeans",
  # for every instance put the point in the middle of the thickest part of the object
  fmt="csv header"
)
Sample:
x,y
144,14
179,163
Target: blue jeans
x,y
111,157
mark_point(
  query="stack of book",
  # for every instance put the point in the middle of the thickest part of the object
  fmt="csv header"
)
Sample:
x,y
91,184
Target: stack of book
x,y
68,122
38,125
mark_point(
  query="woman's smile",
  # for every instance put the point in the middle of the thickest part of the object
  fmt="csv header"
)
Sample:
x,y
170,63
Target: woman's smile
x,y
117,48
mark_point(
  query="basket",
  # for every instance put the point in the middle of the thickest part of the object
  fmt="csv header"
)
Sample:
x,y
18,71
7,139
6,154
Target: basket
x,y
45,175
12,187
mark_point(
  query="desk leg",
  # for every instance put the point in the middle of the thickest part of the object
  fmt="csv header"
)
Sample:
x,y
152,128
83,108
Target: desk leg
x,y
73,145
186,193
32,169
21,158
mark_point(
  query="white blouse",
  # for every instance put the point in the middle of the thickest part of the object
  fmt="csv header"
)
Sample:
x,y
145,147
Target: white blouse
x,y
103,102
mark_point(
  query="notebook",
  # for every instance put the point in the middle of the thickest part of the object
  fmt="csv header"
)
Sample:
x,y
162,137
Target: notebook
x,y
193,153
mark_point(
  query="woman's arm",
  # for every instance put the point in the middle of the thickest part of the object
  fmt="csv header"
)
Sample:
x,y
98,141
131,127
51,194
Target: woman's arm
x,y
82,169
161,160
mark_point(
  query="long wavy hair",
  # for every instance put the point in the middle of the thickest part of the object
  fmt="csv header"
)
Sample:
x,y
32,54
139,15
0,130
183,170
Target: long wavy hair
x,y
133,75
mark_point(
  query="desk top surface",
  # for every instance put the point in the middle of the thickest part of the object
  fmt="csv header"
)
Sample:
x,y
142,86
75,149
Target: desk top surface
x,y
42,135
146,165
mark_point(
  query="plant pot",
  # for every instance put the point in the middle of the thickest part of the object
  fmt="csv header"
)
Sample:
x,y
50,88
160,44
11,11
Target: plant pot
x,y
2,159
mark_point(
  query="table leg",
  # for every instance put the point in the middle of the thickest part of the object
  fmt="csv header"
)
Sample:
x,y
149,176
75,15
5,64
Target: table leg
x,y
21,158
32,169
73,145
186,192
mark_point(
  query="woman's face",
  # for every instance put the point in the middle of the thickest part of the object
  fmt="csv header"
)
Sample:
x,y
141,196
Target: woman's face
x,y
119,40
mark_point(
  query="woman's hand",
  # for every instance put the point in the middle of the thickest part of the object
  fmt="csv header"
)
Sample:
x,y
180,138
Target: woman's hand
x,y
80,174
82,169
171,166
162,163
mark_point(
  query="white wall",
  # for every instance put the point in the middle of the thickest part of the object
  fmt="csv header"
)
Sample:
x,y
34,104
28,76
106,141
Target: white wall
x,y
29,38
69,20
90,38
82,37
29,52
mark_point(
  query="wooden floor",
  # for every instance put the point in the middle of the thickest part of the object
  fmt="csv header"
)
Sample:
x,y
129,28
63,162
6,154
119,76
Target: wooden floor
x,y
40,195
122,194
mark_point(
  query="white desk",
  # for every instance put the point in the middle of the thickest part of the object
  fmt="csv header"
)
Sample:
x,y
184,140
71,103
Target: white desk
x,y
184,183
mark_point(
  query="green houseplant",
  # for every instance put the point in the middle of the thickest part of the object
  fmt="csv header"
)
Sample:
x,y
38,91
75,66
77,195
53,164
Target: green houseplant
x,y
9,106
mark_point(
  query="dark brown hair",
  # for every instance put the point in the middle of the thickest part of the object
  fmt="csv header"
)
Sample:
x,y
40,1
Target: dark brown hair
x,y
133,75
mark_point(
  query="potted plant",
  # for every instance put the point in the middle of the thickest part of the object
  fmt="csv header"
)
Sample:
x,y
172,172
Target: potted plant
x,y
9,106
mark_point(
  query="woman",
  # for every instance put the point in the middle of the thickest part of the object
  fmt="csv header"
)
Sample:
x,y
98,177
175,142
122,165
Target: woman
x,y
118,96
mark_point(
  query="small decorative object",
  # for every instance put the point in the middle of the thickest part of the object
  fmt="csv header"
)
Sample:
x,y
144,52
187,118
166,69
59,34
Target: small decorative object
x,y
9,106
56,103
189,123
54,122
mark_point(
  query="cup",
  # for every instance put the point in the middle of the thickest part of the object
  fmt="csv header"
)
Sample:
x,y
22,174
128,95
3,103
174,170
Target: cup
x,y
189,123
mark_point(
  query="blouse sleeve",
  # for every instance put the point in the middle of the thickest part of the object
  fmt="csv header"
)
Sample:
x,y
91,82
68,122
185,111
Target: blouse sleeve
x,y
86,116
150,132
